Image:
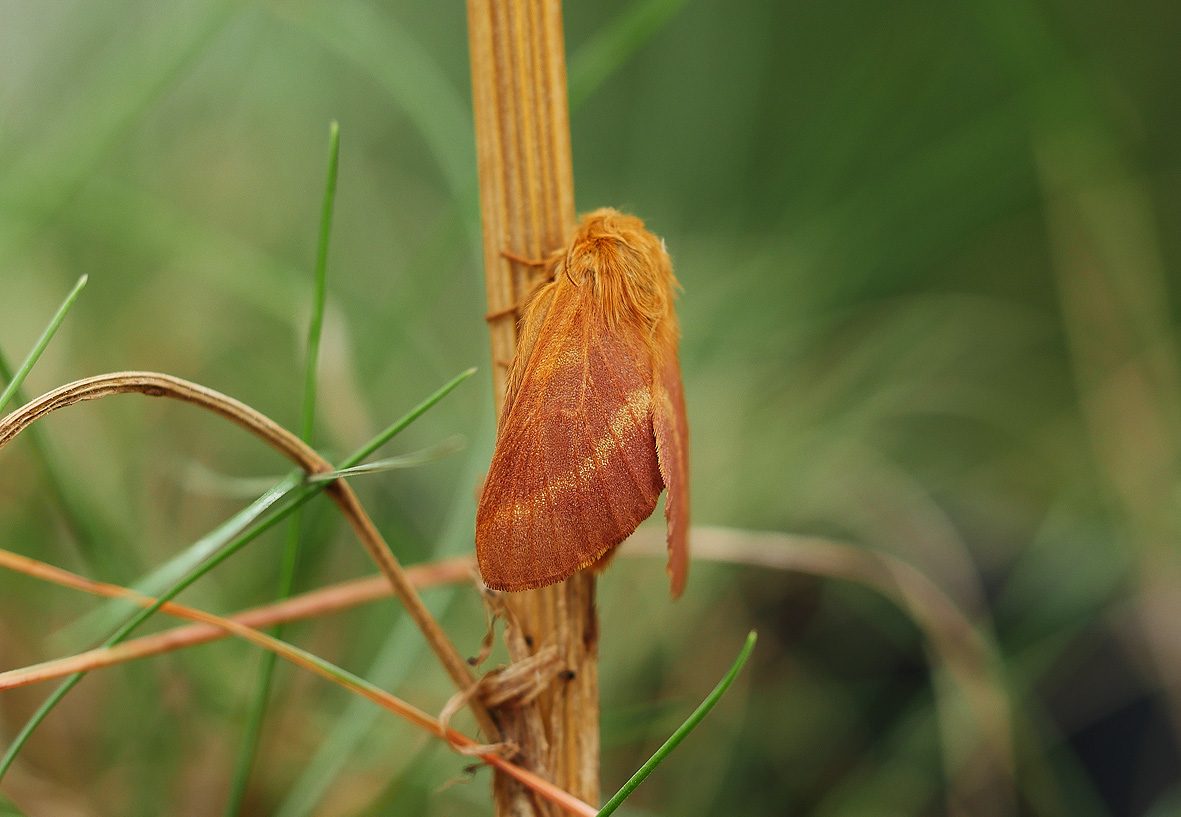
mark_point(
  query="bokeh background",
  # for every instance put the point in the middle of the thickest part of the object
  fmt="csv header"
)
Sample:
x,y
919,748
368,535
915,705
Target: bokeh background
x,y
928,252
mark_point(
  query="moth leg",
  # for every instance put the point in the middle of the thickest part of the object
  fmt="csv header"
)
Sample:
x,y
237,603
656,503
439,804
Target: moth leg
x,y
497,314
521,259
508,364
515,310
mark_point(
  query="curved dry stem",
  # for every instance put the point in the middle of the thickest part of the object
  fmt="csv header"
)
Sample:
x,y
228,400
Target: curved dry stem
x,y
954,644
305,660
155,384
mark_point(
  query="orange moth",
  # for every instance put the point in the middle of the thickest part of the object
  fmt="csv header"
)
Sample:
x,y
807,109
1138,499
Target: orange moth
x,y
593,426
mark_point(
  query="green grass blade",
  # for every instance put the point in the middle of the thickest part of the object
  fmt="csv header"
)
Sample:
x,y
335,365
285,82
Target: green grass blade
x,y
266,673
302,494
320,291
684,729
15,382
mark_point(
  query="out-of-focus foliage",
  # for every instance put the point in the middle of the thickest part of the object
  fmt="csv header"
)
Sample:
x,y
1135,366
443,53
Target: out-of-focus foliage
x,y
928,253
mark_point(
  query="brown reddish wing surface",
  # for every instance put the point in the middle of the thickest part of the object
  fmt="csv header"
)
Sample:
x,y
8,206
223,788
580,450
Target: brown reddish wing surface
x,y
593,426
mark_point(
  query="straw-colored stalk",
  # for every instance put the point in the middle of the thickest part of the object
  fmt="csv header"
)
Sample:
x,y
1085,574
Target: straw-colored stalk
x,y
527,210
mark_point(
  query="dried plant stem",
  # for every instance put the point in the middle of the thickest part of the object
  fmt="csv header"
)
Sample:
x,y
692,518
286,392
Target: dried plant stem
x,y
312,663
527,210
314,604
161,385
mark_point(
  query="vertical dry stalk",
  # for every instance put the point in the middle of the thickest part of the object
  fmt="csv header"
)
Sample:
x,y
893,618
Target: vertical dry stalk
x,y
527,206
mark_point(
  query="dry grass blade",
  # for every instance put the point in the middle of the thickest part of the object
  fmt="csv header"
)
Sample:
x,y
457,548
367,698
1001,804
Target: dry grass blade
x,y
155,384
307,661
326,600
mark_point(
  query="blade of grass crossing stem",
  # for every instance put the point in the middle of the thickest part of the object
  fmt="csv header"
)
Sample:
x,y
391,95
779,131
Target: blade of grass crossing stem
x,y
303,493
684,729
320,286
15,383
266,673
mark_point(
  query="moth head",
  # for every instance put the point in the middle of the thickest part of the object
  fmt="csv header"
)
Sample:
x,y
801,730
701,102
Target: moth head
x,y
628,267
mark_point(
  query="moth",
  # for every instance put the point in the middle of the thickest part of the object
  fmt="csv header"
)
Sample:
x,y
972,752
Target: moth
x,y
593,426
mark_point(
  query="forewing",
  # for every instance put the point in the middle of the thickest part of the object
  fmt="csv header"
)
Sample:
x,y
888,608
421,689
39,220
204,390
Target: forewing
x,y
575,468
672,448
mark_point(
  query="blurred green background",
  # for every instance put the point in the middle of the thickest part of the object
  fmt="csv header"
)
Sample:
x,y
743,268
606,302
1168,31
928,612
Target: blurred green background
x,y
928,255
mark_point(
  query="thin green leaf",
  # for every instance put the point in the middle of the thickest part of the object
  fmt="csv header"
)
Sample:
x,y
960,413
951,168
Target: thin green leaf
x,y
15,383
320,286
684,729
307,424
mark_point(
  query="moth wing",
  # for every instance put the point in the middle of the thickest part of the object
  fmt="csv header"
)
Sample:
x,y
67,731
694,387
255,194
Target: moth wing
x,y
672,449
575,468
